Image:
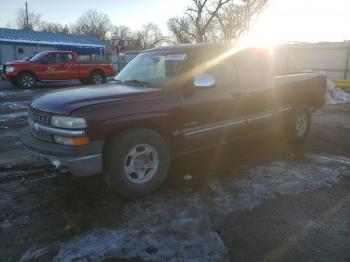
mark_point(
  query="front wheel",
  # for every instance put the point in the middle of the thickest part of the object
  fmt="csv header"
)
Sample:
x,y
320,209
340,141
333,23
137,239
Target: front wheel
x,y
298,123
26,80
136,163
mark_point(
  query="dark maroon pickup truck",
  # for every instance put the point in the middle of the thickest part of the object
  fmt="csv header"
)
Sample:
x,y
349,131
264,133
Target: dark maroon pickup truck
x,y
166,102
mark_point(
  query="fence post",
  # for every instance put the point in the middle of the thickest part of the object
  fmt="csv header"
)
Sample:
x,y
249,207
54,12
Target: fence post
x,y
346,64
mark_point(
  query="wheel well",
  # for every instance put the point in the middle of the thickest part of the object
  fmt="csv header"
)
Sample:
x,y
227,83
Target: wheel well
x,y
152,126
97,70
27,71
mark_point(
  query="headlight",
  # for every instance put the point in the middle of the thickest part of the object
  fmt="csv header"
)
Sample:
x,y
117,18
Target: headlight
x,y
68,122
10,69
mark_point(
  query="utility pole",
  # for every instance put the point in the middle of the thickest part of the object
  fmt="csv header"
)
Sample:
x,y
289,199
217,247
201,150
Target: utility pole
x,y
27,17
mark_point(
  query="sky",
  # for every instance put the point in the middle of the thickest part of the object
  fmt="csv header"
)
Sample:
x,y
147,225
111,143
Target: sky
x,y
282,21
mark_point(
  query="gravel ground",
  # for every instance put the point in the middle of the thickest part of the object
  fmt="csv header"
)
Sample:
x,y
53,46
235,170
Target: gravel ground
x,y
254,200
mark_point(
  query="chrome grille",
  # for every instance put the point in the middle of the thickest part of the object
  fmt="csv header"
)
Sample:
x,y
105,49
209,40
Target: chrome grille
x,y
35,116
40,117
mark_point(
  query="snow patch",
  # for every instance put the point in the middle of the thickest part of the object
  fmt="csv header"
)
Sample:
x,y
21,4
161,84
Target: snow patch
x,y
179,227
173,229
280,178
15,105
13,116
335,95
33,254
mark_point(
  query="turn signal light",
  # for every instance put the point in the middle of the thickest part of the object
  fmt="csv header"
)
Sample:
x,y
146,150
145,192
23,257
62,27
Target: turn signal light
x,y
72,141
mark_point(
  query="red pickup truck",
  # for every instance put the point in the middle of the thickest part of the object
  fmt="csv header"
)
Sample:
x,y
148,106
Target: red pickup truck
x,y
56,65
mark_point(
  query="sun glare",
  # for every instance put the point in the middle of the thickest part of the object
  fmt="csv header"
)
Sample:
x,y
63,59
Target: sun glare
x,y
300,21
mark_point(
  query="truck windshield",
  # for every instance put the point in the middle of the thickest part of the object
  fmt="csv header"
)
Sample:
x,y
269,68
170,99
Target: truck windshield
x,y
38,56
152,68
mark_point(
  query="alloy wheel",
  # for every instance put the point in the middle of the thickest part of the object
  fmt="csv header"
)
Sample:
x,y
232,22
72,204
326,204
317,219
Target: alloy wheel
x,y
97,78
28,81
141,163
301,124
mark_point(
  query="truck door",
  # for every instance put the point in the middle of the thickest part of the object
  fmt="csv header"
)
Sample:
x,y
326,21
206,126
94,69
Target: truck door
x,y
56,66
212,115
254,74
66,68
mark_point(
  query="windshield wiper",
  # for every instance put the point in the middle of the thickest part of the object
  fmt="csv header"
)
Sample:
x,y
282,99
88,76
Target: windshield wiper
x,y
137,82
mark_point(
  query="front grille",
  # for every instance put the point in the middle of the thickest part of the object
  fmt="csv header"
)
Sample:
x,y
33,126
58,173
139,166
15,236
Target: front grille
x,y
35,116
40,117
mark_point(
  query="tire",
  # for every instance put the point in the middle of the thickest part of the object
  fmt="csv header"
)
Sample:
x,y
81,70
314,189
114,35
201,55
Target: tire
x,y
26,80
136,163
97,78
84,81
13,81
298,123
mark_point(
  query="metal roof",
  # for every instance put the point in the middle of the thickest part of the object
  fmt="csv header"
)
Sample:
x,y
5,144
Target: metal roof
x,y
43,38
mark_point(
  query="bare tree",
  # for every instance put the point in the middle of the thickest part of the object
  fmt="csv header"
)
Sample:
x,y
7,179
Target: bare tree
x,y
33,19
181,29
121,37
93,23
202,13
53,28
216,20
150,36
120,32
235,19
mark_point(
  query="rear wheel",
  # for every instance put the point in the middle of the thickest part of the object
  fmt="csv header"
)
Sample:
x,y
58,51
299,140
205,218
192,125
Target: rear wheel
x,y
298,124
136,163
26,80
97,78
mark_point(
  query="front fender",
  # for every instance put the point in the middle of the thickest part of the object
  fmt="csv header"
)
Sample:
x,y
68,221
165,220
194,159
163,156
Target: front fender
x,y
158,120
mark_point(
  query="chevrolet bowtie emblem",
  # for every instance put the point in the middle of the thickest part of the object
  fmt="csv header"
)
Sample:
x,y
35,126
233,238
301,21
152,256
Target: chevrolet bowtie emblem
x,y
36,127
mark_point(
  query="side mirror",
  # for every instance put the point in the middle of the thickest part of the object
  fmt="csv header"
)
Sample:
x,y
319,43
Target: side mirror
x,y
204,81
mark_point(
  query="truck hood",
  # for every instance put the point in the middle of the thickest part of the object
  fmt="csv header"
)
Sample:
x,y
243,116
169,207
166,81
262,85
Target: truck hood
x,y
65,101
18,63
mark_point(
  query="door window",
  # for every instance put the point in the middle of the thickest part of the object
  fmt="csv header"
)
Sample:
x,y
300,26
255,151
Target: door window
x,y
64,58
57,58
223,74
49,59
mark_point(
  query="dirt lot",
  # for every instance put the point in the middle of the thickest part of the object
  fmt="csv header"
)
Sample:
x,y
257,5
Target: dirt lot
x,y
250,201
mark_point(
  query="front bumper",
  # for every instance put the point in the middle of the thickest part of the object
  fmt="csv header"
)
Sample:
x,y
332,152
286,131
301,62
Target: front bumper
x,y
5,76
80,161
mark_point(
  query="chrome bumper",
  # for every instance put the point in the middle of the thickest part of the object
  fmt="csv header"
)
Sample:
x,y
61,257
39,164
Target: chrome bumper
x,y
80,161
78,166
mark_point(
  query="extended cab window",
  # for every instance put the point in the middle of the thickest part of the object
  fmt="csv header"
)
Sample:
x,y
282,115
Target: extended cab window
x,y
155,68
254,69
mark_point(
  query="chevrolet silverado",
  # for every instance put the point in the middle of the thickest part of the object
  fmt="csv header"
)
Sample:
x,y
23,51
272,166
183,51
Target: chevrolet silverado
x,y
166,102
